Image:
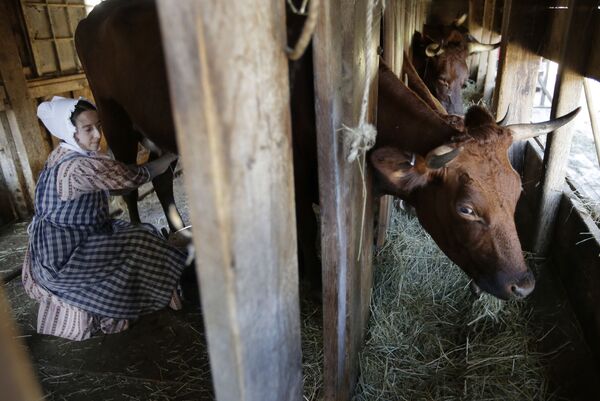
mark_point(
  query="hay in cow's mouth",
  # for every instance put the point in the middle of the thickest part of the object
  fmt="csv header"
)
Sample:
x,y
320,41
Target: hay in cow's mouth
x,y
429,338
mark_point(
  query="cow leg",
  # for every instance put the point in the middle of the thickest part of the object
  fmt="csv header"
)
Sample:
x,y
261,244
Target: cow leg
x,y
123,141
163,185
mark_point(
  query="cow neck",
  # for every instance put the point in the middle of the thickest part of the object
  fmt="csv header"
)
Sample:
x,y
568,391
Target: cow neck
x,y
405,121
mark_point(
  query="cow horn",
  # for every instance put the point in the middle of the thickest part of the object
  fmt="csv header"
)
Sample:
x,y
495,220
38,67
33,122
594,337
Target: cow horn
x,y
526,131
440,156
461,20
502,122
478,47
433,50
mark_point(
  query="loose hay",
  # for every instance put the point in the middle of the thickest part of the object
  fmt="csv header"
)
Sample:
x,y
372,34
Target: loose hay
x,y
430,339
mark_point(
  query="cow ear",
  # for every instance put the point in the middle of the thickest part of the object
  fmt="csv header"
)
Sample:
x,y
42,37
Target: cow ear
x,y
398,173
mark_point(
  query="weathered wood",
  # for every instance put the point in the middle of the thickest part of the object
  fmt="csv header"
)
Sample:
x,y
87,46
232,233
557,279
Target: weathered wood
x,y
489,81
592,110
593,65
567,96
231,110
517,72
17,379
339,71
486,37
31,146
475,24
11,171
48,87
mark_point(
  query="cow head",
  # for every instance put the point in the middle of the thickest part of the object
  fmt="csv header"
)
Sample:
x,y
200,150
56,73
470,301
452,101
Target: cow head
x,y
465,194
445,50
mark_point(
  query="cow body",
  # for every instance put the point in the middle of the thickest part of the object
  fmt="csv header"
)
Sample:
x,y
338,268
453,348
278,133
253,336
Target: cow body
x,y
455,172
119,45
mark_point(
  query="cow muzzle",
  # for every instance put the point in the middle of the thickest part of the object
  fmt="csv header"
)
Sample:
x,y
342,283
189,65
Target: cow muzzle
x,y
521,287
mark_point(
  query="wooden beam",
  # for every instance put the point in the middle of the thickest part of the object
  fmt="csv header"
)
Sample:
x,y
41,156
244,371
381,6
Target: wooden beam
x,y
489,81
231,111
32,147
47,87
17,379
339,72
567,96
486,37
593,65
475,21
517,72
10,168
395,41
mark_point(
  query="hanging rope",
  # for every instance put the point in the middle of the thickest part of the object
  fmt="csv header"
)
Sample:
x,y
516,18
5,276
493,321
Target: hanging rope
x,y
360,139
307,30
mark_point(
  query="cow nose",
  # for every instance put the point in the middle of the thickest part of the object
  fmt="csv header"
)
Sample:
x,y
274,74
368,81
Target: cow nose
x,y
524,286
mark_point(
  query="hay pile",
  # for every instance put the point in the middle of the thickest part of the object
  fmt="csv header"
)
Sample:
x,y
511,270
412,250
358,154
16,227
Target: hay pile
x,y
430,339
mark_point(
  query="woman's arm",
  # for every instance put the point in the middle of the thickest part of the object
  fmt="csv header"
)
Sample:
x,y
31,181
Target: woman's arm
x,y
90,174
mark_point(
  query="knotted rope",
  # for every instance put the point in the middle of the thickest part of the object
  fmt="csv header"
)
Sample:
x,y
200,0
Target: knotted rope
x,y
358,140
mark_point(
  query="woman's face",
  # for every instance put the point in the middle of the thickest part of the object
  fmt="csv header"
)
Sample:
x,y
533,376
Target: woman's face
x,y
88,130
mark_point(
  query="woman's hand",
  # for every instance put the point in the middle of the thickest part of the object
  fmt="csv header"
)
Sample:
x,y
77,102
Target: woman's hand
x,y
160,165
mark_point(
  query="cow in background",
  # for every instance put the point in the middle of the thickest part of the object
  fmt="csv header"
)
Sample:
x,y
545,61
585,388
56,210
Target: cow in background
x,y
440,57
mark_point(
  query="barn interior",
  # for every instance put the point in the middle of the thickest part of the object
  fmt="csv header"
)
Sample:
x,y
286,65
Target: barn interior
x,y
355,343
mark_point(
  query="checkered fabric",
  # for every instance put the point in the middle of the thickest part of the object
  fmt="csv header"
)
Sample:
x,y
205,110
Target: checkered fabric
x,y
106,267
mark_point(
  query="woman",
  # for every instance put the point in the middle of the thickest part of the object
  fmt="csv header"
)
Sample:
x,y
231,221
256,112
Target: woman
x,y
88,272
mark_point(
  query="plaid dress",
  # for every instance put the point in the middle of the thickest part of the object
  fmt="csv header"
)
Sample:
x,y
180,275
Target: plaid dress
x,y
106,267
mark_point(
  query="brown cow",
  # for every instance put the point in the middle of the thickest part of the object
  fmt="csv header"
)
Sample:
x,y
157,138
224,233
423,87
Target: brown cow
x,y
119,45
440,56
461,182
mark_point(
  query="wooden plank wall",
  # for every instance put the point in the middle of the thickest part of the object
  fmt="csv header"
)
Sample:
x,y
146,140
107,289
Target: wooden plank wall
x,y
339,73
231,111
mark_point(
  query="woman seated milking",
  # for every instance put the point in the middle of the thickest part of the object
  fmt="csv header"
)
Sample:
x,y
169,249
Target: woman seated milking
x,y
89,273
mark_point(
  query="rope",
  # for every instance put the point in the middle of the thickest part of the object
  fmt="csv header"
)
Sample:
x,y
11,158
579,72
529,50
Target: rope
x,y
360,139
307,31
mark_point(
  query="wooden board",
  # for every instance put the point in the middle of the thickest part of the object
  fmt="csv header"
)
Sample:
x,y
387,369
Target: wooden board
x,y
486,37
339,71
517,72
43,88
231,111
17,379
31,147
51,27
475,24
567,95
20,200
489,81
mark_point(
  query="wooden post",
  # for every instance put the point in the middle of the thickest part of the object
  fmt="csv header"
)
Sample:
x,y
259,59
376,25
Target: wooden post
x,y
32,147
489,81
486,37
567,96
475,20
591,105
518,69
339,72
228,77
396,40
11,171
17,379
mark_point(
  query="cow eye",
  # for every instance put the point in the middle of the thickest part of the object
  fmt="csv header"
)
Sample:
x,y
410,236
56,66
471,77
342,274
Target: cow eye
x,y
466,210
